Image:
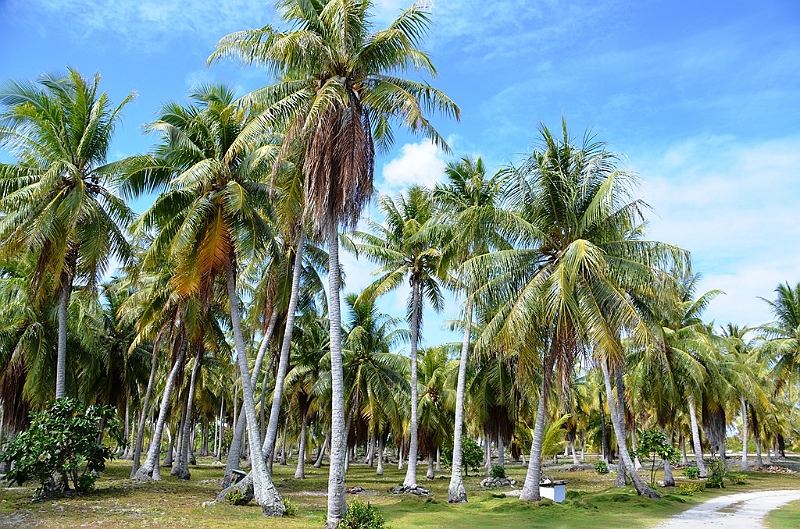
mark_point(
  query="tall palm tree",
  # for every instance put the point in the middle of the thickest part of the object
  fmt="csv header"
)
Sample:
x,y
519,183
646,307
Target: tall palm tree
x,y
402,251
211,216
783,334
338,94
469,211
577,253
58,200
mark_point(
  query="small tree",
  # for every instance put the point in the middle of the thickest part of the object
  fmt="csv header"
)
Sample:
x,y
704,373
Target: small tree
x,y
63,446
472,454
653,442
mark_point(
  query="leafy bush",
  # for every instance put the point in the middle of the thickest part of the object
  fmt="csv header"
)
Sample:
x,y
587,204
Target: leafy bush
x,y
653,442
689,489
362,516
236,497
60,448
471,457
290,507
601,467
691,472
498,471
717,472
737,478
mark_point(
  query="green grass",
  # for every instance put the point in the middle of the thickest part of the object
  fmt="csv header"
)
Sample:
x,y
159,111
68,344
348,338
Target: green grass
x,y
592,501
787,517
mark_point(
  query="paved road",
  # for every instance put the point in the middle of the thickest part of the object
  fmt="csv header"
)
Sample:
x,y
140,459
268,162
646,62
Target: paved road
x,y
736,511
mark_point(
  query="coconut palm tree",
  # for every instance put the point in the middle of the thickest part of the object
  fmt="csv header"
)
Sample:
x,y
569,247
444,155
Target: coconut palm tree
x,y
210,216
402,251
469,212
58,200
577,254
338,94
783,334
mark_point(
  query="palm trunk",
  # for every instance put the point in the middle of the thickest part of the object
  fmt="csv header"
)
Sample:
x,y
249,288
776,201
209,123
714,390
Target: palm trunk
x,y
430,474
501,452
371,451
400,457
283,445
150,469
321,454
379,471
620,441
220,429
188,422
744,433
669,480
698,448
684,457
283,362
619,430
336,474
61,361
300,473
456,493
416,315
235,450
530,491
603,435
264,491
487,455
759,461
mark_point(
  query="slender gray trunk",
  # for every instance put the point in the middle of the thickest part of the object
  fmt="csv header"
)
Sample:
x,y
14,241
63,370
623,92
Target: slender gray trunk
x,y
150,469
371,451
744,433
530,491
379,471
321,454
188,422
400,457
574,454
264,491
684,457
619,430
456,492
487,455
416,316
501,452
61,361
283,445
220,428
769,455
620,441
286,345
300,473
669,480
336,474
430,474
698,448
439,459
759,461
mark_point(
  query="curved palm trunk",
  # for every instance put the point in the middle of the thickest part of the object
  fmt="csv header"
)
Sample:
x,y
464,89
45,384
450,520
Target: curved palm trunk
x,y
61,360
698,448
286,346
300,473
150,468
530,491
621,407
235,449
321,454
619,430
137,452
416,315
336,499
264,491
744,433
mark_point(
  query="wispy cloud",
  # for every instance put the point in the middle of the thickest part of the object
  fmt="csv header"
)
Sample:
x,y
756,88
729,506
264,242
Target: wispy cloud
x,y
418,164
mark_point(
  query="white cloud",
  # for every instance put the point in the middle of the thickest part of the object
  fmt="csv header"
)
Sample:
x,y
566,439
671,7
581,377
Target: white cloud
x,y
418,164
734,207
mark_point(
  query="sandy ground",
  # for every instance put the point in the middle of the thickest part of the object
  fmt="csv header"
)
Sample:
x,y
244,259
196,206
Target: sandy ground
x,y
737,511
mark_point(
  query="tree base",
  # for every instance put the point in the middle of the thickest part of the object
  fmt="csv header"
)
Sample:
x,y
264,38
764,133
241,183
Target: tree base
x,y
456,493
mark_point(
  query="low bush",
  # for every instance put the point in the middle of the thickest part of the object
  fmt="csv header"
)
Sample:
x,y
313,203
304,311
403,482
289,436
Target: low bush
x,y
717,472
236,497
601,467
362,516
498,472
290,507
691,472
689,489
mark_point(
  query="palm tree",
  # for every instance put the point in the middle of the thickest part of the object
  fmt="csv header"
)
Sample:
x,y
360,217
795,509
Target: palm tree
x,y
209,217
58,200
402,250
469,211
435,403
783,334
578,251
338,94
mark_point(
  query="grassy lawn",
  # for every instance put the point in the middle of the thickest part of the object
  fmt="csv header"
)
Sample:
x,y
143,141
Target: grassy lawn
x,y
592,501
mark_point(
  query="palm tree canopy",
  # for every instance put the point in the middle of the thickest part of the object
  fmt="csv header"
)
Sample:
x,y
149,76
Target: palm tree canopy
x,y
339,91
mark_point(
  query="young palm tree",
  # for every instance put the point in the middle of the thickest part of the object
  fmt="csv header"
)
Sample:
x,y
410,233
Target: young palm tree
x,y
209,218
338,94
578,252
403,251
57,201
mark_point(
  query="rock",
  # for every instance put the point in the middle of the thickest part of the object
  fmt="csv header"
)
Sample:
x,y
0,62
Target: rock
x,y
419,491
354,490
498,482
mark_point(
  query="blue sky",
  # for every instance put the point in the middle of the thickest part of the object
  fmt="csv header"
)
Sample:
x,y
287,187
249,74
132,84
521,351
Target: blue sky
x,y
702,97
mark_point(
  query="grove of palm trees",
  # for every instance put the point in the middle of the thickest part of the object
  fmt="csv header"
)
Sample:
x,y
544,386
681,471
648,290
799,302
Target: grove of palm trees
x,y
236,368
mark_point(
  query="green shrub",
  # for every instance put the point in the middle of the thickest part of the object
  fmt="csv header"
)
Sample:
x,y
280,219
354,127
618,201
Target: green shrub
x,y
498,471
362,516
290,507
691,472
689,489
653,442
717,472
737,478
236,497
601,467
60,447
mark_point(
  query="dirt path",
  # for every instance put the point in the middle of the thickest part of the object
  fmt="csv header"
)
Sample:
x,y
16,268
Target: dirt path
x,y
736,511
